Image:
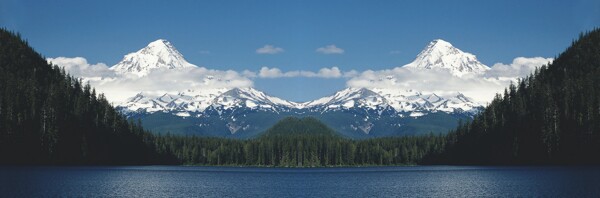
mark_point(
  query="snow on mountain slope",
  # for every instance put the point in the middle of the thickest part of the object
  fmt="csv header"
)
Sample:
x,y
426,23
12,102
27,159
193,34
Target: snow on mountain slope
x,y
185,101
401,101
160,54
348,98
246,111
251,98
196,101
142,102
441,55
414,101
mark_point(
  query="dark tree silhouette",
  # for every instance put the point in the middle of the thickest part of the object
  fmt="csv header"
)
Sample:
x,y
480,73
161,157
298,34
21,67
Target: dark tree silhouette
x,y
549,117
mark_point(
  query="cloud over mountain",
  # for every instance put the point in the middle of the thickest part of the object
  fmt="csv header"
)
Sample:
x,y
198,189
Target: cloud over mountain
x,y
439,68
480,86
442,68
521,66
158,67
79,67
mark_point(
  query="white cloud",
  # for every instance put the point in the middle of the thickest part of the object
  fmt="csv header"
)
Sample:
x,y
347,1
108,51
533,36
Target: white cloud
x,y
118,88
481,87
249,74
269,49
350,74
333,72
520,67
330,49
79,67
428,81
266,72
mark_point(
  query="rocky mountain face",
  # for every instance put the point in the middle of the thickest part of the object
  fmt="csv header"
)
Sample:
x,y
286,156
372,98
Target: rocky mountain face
x,y
246,112
355,112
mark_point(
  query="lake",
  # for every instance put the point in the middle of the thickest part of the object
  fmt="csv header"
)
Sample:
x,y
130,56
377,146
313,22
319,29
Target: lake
x,y
414,181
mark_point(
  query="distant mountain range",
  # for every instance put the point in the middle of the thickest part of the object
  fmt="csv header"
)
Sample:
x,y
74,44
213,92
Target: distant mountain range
x,y
246,112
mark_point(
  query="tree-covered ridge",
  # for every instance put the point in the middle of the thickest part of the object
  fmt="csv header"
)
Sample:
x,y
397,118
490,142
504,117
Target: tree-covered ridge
x,y
300,142
550,117
49,117
294,126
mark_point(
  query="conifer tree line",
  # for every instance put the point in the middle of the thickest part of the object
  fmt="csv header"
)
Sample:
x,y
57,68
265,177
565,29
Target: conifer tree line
x,y
300,142
549,117
49,117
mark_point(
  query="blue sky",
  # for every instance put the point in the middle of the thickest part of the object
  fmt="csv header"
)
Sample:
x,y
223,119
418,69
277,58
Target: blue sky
x,y
225,34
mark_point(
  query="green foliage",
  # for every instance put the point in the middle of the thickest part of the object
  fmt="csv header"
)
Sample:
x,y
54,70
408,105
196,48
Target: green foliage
x,y
294,126
550,117
300,142
259,122
49,117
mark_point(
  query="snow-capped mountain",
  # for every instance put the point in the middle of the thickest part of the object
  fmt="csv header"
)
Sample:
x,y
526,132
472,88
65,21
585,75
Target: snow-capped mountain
x,y
194,101
415,101
246,112
160,54
401,101
348,98
253,99
361,110
187,101
441,55
361,98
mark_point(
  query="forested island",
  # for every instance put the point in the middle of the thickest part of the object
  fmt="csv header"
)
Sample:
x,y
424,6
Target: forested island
x,y
48,117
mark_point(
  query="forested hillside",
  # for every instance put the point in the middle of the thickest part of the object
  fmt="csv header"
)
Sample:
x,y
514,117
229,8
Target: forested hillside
x,y
48,117
300,142
550,117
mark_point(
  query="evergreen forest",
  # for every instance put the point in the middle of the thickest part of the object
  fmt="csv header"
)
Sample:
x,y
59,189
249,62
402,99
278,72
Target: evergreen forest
x,y
48,117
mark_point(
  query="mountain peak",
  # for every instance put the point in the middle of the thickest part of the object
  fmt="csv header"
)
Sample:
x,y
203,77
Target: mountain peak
x,y
159,54
160,44
440,43
442,55
164,41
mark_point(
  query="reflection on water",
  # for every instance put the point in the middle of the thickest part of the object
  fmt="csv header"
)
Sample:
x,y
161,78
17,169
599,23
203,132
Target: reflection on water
x,y
422,181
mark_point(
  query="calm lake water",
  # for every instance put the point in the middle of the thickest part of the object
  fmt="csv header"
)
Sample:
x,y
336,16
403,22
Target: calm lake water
x,y
418,181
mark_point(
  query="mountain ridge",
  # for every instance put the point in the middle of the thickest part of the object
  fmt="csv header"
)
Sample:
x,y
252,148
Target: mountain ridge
x,y
346,98
247,109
